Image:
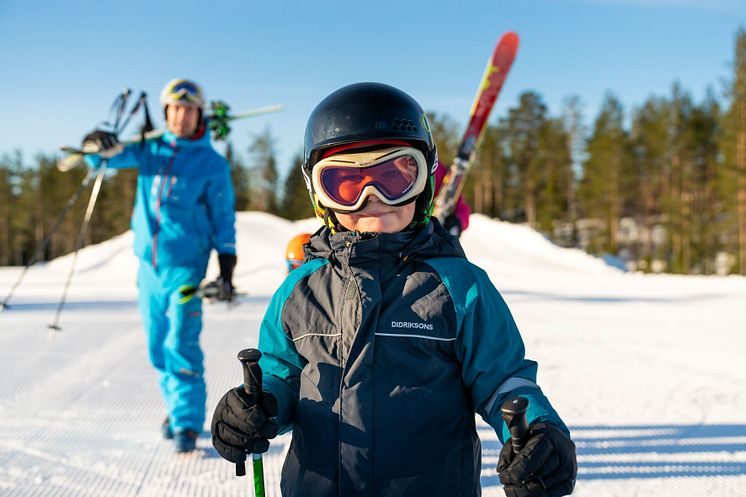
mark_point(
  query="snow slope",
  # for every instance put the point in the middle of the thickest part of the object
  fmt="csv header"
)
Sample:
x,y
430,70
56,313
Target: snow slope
x,y
648,371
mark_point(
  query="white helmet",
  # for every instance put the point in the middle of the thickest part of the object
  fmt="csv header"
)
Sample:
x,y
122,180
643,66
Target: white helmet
x,y
184,92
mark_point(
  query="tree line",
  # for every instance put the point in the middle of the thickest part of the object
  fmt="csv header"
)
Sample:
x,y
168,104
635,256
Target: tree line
x,y
662,187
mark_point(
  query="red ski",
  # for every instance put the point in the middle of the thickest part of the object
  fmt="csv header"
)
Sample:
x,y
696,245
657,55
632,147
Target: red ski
x,y
492,82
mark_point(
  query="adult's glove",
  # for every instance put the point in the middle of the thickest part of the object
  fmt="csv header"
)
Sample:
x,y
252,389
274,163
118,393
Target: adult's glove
x,y
240,426
545,467
103,143
452,225
222,288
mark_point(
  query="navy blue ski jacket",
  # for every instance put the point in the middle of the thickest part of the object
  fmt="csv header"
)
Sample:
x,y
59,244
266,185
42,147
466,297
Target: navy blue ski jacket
x,y
380,349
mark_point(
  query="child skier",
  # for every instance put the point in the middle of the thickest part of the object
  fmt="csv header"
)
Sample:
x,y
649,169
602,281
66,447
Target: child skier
x,y
379,350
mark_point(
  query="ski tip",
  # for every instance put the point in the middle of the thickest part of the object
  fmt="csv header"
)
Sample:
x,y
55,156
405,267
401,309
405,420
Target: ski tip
x,y
510,39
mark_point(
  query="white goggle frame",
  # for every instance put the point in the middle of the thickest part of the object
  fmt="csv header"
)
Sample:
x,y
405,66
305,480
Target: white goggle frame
x,y
367,159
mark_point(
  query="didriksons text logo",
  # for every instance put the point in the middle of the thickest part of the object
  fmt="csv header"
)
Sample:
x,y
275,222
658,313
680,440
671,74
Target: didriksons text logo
x,y
410,324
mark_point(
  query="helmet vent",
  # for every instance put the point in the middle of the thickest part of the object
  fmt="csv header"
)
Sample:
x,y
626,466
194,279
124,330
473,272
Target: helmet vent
x,y
403,124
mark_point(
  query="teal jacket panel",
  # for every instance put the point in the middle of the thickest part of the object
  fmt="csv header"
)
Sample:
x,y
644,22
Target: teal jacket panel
x,y
490,347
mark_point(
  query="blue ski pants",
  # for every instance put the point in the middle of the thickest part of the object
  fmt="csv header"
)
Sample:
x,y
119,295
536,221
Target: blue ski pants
x,y
173,330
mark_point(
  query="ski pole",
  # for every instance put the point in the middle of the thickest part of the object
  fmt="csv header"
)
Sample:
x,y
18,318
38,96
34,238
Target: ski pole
x,y
514,415
55,326
48,237
252,384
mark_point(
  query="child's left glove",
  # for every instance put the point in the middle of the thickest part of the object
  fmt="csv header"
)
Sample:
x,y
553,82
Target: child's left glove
x,y
546,466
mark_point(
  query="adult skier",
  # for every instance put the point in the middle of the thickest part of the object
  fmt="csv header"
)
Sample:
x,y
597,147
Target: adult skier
x,y
380,349
184,208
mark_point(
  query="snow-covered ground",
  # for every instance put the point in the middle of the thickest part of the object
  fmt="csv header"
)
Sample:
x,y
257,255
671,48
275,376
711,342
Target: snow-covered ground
x,y
648,371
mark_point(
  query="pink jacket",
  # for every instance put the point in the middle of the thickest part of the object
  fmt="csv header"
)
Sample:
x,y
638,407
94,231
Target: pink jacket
x,y
462,210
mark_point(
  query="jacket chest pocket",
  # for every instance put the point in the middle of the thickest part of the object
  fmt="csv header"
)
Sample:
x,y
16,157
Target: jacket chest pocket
x,y
320,347
180,190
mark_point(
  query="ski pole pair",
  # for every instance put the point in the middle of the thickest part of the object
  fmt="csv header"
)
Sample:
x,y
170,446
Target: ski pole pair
x,y
41,247
55,325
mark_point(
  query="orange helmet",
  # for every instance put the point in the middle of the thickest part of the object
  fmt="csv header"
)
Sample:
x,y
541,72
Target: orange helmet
x,y
294,251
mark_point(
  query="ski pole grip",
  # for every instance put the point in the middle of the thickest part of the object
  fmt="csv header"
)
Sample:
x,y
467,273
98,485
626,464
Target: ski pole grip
x,y
252,384
514,415
252,373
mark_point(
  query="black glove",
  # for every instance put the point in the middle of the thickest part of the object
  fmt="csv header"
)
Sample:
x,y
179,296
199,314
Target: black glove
x,y
240,426
452,225
102,142
545,467
222,287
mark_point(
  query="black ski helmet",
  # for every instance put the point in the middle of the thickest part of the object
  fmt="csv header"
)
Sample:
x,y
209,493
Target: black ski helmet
x,y
364,112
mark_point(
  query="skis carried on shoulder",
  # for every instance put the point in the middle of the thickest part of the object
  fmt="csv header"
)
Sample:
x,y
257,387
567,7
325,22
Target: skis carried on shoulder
x,y
492,82
217,120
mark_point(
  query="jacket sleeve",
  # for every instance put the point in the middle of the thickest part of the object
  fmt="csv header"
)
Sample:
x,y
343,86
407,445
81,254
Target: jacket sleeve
x,y
221,210
491,350
130,157
281,363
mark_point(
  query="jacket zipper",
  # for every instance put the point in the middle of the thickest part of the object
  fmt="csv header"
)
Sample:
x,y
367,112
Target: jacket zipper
x,y
164,180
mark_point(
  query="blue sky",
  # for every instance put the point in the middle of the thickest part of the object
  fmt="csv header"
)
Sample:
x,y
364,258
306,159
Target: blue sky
x,y
62,63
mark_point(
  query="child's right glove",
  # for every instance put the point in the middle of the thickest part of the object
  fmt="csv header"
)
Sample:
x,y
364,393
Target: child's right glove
x,y
240,426
545,467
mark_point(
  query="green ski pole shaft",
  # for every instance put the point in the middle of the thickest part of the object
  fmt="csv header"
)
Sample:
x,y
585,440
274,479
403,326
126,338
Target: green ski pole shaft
x,y
258,474
252,383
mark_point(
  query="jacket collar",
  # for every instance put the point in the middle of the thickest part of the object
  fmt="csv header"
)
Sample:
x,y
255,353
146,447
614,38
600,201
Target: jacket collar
x,y
201,142
353,248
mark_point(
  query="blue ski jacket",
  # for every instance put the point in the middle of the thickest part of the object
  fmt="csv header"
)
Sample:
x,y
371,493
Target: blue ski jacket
x,y
380,350
184,205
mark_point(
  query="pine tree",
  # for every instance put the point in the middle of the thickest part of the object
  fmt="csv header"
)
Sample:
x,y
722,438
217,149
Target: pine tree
x,y
649,138
240,178
732,177
555,162
705,232
572,118
523,129
447,135
485,184
295,201
264,168
605,173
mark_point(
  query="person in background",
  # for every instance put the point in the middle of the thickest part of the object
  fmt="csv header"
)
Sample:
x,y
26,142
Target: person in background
x,y
456,222
184,209
294,251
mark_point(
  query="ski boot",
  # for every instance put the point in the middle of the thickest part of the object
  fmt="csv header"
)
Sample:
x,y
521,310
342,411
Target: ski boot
x,y
185,440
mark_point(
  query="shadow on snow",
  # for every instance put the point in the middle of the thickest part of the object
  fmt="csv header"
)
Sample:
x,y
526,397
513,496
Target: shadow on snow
x,y
653,451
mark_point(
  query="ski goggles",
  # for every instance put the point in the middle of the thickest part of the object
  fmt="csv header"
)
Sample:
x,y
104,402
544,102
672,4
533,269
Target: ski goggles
x,y
395,175
185,91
